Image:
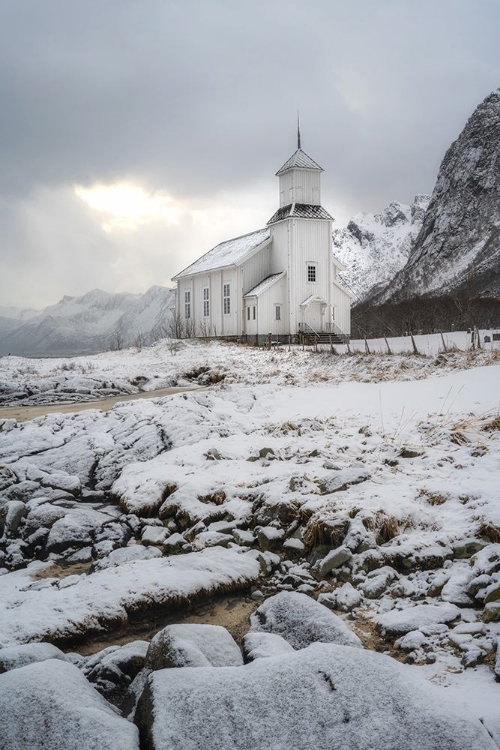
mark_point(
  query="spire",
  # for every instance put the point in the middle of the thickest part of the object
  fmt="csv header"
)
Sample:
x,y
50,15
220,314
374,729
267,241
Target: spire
x,y
298,129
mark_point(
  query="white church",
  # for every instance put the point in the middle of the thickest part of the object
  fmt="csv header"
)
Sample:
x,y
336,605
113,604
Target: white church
x,y
280,280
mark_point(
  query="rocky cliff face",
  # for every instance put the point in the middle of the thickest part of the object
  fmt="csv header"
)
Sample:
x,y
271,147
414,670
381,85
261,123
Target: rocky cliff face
x,y
458,247
374,247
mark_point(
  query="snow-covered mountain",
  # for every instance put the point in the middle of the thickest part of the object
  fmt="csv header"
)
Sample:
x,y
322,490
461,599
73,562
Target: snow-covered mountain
x,y
374,247
458,248
95,322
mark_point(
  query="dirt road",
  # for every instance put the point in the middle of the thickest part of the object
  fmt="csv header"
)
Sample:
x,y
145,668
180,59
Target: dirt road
x,y
23,413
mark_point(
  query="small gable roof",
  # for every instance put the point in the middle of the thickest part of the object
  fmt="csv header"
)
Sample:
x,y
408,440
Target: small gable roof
x,y
299,160
265,284
300,211
228,253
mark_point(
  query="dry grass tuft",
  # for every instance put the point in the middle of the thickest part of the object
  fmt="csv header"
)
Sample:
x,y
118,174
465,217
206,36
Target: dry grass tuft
x,y
329,531
433,498
493,425
489,530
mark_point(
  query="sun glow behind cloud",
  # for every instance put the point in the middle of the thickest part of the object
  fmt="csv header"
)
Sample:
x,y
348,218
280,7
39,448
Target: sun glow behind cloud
x,y
127,206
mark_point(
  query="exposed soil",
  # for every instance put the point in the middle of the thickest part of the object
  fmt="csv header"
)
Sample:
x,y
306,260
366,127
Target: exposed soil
x,y
23,413
232,612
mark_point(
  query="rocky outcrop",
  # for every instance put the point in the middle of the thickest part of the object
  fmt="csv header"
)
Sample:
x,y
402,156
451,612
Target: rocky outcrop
x,y
458,247
374,247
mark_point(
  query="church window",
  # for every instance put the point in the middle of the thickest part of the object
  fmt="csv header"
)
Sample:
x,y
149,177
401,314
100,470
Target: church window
x,y
206,302
311,273
248,313
278,312
187,305
254,311
227,298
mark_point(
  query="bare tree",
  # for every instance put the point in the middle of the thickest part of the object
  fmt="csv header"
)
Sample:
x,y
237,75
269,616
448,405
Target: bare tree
x,y
175,326
117,340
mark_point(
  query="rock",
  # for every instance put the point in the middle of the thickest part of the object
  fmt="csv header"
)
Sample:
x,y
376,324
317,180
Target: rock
x,y
270,538
174,544
492,592
126,554
211,539
348,597
113,669
51,705
497,665
398,622
324,696
155,535
333,559
13,657
246,538
301,621
263,645
467,547
13,512
294,545
492,612
455,590
192,645
413,640
342,480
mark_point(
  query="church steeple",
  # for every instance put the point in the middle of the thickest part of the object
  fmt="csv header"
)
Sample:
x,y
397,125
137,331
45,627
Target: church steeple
x,y
300,187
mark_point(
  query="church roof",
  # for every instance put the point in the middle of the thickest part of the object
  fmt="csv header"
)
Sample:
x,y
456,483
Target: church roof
x,y
300,211
301,160
265,284
228,253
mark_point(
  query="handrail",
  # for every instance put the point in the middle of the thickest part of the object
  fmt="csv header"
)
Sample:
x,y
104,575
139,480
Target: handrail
x,y
334,329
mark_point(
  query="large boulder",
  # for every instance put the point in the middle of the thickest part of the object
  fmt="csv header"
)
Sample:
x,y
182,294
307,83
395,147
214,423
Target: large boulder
x,y
324,696
192,645
301,621
13,657
51,706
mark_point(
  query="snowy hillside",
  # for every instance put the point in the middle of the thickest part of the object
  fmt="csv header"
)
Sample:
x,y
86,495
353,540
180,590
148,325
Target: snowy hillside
x,y
374,247
458,248
340,516
95,322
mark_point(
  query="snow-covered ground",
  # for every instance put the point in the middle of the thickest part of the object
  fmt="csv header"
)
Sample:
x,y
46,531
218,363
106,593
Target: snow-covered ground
x,y
367,481
25,381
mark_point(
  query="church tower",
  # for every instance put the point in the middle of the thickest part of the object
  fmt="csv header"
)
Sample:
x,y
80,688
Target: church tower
x,y
301,232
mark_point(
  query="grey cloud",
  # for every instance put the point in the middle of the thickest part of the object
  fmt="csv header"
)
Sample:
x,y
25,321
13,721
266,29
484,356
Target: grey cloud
x,y
199,97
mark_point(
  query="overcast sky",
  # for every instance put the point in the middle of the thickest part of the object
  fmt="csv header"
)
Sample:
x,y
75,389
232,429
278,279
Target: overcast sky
x,y
135,135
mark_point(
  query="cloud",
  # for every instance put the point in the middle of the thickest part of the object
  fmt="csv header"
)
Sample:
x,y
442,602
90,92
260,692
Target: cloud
x,y
172,118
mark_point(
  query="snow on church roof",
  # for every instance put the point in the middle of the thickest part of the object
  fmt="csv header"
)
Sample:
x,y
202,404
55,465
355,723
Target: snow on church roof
x,y
301,160
301,211
228,253
265,284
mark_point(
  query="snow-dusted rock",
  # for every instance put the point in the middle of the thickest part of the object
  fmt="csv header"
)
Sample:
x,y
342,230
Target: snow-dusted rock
x,y
193,645
43,609
333,559
13,657
263,645
50,704
401,621
113,669
324,696
126,554
301,621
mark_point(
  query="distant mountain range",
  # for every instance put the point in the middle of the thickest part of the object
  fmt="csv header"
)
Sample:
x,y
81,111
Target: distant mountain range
x,y
97,321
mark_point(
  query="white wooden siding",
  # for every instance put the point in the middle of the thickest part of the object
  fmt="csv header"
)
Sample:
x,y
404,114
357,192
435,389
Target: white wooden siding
x,y
300,186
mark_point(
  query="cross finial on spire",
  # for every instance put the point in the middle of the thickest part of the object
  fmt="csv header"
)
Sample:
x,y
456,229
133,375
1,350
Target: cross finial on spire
x,y
298,129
